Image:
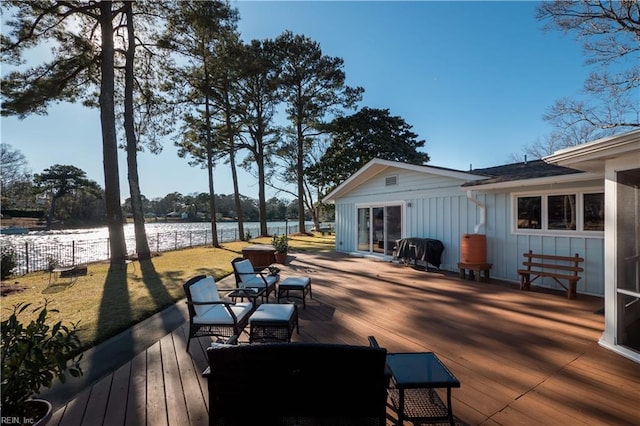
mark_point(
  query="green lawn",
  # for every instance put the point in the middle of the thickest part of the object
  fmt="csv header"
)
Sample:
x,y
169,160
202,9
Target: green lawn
x,y
106,302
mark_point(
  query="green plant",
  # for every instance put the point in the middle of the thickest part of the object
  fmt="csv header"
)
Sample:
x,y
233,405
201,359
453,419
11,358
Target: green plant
x,y
33,355
280,243
8,261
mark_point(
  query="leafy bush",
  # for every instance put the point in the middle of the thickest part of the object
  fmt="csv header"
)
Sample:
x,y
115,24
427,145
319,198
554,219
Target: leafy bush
x,y
9,261
33,355
280,243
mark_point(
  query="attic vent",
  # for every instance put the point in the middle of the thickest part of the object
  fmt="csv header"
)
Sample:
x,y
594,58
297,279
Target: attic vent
x,y
390,180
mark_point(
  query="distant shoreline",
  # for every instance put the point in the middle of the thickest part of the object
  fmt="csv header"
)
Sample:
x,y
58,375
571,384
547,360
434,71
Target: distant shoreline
x,y
38,224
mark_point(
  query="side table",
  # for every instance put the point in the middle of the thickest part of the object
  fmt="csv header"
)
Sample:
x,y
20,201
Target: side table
x,y
250,293
414,377
59,272
474,270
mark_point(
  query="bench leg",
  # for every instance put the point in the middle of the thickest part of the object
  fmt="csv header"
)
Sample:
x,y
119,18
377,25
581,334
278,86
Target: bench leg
x,y
571,290
525,284
463,274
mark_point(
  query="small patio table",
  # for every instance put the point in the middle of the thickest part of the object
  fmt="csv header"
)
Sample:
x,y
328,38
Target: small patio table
x,y
415,375
59,272
251,293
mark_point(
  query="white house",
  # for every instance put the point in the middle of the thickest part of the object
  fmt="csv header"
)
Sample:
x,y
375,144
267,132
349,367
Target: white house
x,y
579,200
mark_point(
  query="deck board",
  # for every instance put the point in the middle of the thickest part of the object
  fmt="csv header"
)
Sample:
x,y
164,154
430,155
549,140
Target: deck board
x,y
136,413
156,396
116,409
527,358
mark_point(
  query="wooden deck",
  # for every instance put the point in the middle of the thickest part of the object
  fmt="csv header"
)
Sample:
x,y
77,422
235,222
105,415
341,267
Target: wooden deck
x,y
525,358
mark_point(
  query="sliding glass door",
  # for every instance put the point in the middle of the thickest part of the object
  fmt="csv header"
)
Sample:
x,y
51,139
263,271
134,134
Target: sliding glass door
x,y
378,228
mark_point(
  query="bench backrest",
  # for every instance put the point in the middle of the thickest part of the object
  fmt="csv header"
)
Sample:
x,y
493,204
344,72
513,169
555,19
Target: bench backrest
x,y
272,383
548,261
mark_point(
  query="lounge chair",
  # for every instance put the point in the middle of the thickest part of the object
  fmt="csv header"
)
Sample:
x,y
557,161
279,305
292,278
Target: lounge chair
x,y
247,277
303,383
211,316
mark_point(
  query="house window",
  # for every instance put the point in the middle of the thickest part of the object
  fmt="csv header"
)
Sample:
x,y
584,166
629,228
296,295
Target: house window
x,y
561,211
594,212
573,212
529,212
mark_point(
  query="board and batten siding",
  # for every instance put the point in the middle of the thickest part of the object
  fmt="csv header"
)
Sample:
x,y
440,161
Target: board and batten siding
x,y
437,207
505,248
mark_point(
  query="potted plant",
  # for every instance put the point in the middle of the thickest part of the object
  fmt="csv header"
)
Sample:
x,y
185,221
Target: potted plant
x,y
32,356
281,244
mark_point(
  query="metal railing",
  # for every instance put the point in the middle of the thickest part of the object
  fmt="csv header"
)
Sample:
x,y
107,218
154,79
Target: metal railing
x,y
32,257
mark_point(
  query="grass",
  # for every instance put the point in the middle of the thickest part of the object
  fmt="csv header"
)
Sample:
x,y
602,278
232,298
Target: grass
x,y
109,300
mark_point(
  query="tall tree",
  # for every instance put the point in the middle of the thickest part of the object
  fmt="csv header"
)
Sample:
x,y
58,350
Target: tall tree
x,y
143,251
313,86
14,173
257,93
225,79
82,57
60,180
610,35
357,139
195,30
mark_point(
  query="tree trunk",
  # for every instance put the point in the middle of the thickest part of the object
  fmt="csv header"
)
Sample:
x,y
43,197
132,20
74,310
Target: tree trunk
x,y
142,245
209,136
117,243
232,162
300,171
262,201
236,194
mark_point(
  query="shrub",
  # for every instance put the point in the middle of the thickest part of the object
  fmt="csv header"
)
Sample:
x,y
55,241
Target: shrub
x,y
33,355
280,243
9,261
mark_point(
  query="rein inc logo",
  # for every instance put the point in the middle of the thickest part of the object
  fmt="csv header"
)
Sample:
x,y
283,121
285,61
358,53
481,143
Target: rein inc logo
x,y
17,420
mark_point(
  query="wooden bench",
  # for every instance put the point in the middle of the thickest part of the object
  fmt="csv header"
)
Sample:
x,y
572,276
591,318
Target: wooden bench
x,y
546,265
326,230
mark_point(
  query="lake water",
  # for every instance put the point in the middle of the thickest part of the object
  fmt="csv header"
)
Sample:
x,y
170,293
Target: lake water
x,y
74,246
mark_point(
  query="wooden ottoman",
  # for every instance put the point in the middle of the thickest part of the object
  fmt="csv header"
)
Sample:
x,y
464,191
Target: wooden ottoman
x,y
273,322
295,284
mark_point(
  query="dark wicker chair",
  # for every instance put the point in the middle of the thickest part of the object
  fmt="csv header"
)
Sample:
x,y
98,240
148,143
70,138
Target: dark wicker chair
x,y
304,384
247,277
211,316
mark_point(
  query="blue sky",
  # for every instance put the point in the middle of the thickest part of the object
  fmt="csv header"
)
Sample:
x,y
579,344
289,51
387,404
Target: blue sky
x,y
472,78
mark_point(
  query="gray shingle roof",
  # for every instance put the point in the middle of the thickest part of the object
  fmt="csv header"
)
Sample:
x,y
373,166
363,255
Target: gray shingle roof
x,y
519,171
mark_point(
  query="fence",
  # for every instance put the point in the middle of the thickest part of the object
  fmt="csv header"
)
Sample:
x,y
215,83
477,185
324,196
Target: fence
x,y
32,257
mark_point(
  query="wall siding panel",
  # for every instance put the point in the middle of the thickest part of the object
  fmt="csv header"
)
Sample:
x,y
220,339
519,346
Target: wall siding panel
x,y
441,210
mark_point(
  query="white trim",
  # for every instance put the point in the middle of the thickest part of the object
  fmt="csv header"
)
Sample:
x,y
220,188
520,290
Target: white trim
x,y
620,350
403,219
377,166
573,177
601,149
579,232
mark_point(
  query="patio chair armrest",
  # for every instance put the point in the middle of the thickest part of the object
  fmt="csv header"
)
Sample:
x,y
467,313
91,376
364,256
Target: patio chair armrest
x,y
213,302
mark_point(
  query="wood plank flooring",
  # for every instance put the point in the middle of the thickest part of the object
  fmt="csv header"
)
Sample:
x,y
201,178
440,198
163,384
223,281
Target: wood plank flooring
x,y
526,358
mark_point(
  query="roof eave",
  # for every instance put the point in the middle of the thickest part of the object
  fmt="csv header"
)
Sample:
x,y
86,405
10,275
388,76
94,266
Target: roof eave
x,y
573,177
378,165
590,156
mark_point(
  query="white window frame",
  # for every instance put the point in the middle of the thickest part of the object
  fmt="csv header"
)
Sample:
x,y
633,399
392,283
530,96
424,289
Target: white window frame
x,y
373,205
578,232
